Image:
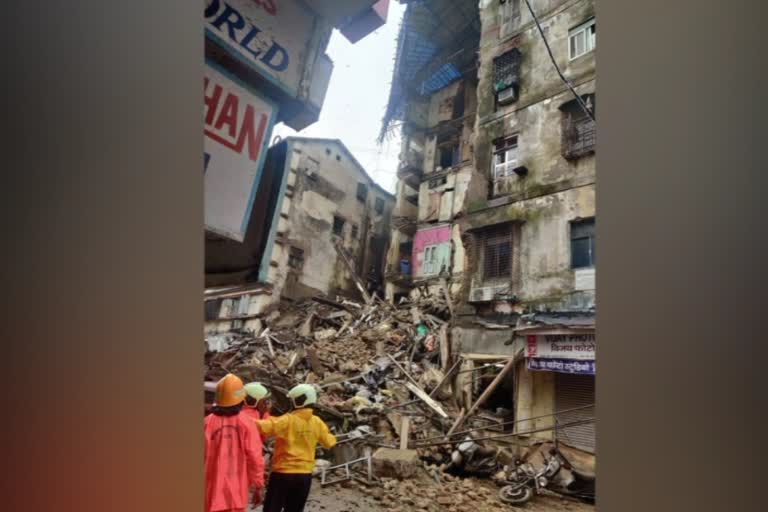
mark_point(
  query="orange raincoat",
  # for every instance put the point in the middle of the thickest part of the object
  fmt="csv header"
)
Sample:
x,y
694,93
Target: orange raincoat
x,y
253,413
233,461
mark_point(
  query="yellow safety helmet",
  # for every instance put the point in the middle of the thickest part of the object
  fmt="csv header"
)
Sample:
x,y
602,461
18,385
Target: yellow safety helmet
x,y
229,391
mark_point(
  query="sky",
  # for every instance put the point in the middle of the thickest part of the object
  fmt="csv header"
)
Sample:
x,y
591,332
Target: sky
x,y
357,97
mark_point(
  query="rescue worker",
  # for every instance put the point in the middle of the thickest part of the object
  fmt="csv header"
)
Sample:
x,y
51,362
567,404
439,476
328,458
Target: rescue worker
x,y
297,434
233,458
256,401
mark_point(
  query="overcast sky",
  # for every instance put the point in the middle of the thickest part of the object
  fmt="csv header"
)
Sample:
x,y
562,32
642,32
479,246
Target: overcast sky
x,y
357,96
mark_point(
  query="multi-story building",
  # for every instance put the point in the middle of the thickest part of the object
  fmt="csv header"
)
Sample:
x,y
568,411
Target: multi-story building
x,y
511,224
319,226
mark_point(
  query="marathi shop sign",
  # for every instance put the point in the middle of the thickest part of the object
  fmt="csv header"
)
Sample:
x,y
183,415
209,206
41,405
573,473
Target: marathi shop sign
x,y
271,36
237,127
566,353
562,366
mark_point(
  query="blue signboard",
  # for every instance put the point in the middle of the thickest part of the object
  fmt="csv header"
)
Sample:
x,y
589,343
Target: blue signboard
x,y
562,366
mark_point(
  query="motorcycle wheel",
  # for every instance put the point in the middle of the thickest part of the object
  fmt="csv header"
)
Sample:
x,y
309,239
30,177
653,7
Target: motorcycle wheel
x,y
516,494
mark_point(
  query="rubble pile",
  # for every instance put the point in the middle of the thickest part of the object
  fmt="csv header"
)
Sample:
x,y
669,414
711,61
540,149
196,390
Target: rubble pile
x,y
385,373
360,355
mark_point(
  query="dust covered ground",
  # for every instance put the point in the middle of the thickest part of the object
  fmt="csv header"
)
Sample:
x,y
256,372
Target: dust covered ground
x,y
470,495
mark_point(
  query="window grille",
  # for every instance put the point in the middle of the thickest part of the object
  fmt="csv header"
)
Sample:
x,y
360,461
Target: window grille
x,y
497,246
506,70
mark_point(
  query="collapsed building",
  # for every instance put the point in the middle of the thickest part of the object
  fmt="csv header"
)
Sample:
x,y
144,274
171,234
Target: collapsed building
x,y
318,222
486,325
496,200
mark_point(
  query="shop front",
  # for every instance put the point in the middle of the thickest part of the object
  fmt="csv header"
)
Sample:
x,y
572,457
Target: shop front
x,y
559,376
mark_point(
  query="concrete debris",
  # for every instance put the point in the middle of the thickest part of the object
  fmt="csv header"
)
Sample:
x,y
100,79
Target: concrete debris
x,y
392,463
218,342
385,375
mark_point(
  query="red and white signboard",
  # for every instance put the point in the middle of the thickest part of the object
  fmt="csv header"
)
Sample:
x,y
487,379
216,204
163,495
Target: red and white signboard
x,y
238,124
561,346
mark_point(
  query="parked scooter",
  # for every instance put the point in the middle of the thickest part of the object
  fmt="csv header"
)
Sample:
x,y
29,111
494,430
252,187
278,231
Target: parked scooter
x,y
473,458
524,481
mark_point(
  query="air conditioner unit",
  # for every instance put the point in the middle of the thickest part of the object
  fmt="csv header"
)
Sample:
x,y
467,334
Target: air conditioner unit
x,y
508,95
486,293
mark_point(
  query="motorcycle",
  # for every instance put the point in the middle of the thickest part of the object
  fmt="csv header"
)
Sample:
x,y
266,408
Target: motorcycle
x,y
473,458
524,481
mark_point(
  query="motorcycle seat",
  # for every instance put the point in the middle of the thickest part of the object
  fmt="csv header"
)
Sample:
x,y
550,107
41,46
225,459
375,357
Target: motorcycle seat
x,y
588,477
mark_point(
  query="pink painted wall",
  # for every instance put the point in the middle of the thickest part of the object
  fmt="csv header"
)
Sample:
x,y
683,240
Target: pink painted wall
x,y
425,237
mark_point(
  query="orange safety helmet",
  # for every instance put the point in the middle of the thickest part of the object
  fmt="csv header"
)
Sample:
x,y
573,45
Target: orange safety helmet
x,y
229,391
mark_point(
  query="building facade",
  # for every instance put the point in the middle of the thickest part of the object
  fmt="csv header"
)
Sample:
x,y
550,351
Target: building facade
x,y
318,222
511,223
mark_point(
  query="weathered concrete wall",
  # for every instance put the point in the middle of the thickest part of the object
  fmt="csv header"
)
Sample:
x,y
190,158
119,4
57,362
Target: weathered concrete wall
x,y
535,397
545,274
314,198
534,117
555,191
478,340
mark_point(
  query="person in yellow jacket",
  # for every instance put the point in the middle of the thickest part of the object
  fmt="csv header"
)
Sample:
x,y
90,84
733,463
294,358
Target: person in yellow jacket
x,y
297,434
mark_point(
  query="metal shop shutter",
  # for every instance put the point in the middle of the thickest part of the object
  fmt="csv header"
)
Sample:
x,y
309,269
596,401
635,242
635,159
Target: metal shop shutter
x,y
572,391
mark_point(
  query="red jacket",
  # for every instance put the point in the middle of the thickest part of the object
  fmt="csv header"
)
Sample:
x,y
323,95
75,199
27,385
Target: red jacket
x,y
233,461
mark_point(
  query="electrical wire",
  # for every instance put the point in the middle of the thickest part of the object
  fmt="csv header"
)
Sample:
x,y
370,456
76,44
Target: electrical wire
x,y
507,423
513,434
580,101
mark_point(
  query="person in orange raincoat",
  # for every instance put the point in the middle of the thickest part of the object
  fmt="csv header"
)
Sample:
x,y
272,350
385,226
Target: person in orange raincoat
x,y
256,401
233,457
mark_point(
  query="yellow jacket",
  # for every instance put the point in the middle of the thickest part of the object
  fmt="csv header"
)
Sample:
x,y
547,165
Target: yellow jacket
x,y
297,434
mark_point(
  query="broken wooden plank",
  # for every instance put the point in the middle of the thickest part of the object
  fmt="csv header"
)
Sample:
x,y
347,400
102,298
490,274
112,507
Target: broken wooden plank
x,y
445,349
456,423
340,381
416,390
404,428
447,294
351,268
333,304
488,391
405,372
306,327
447,376
293,360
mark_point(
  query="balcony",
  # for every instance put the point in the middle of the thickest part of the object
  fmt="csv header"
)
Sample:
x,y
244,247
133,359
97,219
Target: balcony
x,y
411,169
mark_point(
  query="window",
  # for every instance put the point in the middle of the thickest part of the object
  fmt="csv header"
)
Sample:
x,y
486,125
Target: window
x,y
449,155
430,265
506,76
362,192
497,252
582,39
504,157
354,230
338,226
296,258
437,182
583,244
379,205
578,129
